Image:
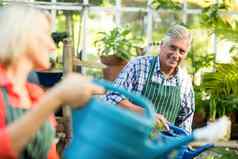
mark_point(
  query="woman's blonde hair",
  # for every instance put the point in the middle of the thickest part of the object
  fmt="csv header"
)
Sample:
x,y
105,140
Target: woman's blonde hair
x,y
17,21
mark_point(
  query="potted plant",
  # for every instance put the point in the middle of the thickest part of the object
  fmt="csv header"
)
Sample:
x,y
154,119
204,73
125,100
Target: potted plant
x,y
221,87
115,48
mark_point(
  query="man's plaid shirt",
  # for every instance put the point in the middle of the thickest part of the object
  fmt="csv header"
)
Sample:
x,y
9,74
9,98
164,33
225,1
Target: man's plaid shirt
x,y
134,75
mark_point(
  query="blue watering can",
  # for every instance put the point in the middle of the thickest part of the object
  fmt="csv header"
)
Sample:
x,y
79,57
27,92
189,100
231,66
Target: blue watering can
x,y
105,131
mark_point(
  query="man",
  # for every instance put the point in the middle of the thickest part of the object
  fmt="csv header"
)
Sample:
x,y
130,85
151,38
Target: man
x,y
161,80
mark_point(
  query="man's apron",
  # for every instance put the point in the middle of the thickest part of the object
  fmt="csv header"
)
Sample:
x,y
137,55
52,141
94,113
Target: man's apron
x,y
166,99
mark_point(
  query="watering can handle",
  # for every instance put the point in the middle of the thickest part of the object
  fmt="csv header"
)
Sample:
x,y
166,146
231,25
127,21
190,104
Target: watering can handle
x,y
178,130
139,100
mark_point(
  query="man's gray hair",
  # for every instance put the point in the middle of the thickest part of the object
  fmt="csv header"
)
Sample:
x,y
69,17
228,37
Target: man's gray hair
x,y
178,32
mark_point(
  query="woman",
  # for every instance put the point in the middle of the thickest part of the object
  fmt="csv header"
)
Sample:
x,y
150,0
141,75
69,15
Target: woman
x,y
26,131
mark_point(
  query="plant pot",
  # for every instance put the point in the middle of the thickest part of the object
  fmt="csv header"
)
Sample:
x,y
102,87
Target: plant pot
x,y
232,117
112,60
110,73
234,131
234,125
199,119
114,66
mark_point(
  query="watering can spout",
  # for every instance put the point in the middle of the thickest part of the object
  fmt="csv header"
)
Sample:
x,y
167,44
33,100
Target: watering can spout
x,y
191,154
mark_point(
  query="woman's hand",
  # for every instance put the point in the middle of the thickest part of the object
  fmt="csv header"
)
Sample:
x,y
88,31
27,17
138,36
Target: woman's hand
x,y
75,90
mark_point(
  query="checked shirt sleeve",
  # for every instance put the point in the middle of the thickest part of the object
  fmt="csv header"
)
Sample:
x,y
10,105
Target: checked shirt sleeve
x,y
126,80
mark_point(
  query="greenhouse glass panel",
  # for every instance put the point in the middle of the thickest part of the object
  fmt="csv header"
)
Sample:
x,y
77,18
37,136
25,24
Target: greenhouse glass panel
x,y
66,24
134,3
161,22
136,23
98,22
103,3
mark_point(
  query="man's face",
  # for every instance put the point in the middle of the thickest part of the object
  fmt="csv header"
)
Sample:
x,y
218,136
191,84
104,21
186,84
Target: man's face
x,y
173,52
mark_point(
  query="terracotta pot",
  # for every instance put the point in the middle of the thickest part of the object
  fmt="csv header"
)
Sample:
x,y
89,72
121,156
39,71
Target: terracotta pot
x,y
199,120
234,131
114,66
234,125
112,60
232,117
111,72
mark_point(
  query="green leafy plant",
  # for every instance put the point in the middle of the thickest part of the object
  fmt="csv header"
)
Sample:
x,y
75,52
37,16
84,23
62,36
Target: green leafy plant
x,y
202,61
118,42
222,88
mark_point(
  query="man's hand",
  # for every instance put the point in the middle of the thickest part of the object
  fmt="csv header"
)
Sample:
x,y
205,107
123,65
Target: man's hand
x,y
160,120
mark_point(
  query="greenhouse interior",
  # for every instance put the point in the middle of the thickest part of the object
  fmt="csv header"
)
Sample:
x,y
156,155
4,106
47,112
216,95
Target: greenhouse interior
x,y
153,79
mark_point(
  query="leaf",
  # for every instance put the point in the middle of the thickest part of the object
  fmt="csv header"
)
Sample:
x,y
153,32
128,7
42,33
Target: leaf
x,y
222,86
117,42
